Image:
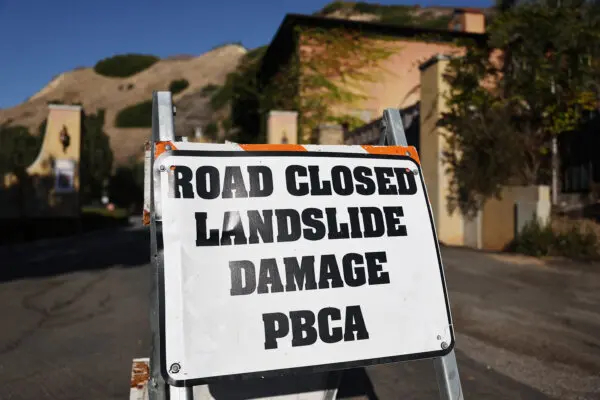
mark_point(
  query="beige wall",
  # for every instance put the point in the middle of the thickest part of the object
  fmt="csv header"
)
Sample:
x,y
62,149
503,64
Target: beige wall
x,y
398,79
450,227
282,127
473,22
502,218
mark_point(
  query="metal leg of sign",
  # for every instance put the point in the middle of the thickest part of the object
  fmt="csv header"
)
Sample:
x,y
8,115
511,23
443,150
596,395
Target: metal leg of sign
x,y
392,134
446,371
162,130
181,393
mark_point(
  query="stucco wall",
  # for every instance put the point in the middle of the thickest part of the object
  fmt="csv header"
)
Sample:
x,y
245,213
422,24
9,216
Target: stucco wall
x,y
282,127
450,226
502,218
398,79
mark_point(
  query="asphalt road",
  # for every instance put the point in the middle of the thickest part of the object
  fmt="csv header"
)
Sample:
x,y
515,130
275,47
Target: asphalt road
x,y
75,313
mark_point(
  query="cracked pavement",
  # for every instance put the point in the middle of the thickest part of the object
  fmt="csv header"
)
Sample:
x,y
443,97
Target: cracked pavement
x,y
75,314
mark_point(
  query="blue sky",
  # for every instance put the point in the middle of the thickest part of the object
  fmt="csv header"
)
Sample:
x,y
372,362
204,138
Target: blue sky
x,y
42,38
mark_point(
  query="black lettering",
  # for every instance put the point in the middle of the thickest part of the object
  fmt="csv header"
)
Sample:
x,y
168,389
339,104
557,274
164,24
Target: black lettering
x,y
336,231
294,188
361,175
243,277
236,231
372,222
406,181
207,182
288,232
201,238
276,326
329,270
383,176
303,331
183,182
301,277
376,274
315,229
392,221
355,232
341,178
355,323
234,182
256,173
262,226
318,188
269,275
325,315
352,275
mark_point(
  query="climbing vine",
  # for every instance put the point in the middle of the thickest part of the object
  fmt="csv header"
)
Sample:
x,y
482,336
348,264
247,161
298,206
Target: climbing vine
x,y
323,78
326,76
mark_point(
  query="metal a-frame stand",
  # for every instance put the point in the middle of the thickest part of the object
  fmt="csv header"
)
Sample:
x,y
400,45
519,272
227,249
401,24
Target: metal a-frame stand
x,y
446,369
163,130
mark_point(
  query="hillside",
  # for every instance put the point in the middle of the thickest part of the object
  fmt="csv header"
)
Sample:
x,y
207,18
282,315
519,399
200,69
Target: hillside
x,y
85,86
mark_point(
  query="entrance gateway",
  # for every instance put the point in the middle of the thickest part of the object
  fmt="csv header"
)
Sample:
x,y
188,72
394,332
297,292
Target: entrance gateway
x,y
288,259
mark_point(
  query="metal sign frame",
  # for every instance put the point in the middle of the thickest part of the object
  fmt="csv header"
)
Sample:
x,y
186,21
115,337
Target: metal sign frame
x,y
163,131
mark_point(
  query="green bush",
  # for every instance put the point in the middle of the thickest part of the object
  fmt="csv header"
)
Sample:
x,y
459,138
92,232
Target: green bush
x,y
178,85
535,239
208,90
211,130
135,116
124,65
571,240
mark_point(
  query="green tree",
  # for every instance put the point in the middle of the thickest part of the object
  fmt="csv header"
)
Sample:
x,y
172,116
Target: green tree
x,y
96,157
126,186
18,149
533,80
124,65
178,85
135,116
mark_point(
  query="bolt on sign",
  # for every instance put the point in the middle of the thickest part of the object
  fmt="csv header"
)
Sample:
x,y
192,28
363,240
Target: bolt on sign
x,y
286,258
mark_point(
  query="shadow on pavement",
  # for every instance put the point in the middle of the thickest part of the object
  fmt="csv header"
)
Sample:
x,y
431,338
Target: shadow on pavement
x,y
99,250
354,384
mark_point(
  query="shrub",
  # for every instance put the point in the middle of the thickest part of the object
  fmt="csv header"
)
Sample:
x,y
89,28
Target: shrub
x,y
211,130
209,89
562,237
535,239
178,85
135,116
124,65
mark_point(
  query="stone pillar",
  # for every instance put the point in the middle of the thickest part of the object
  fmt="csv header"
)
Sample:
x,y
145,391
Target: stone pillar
x,y
282,127
55,172
330,134
450,227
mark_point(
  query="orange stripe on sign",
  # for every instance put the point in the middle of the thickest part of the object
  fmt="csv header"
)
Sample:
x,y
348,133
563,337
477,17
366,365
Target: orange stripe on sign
x,y
272,147
409,151
161,148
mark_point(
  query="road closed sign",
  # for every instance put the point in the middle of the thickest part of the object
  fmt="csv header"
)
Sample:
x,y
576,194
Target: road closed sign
x,y
296,260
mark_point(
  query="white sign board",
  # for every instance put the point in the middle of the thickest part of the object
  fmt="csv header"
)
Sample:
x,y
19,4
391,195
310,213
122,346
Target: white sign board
x,y
64,172
278,261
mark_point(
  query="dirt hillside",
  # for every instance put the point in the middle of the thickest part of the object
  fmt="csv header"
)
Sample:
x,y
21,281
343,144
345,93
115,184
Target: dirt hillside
x,y
95,92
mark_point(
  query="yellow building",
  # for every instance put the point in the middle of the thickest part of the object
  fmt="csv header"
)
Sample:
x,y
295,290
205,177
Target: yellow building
x,y
49,187
398,78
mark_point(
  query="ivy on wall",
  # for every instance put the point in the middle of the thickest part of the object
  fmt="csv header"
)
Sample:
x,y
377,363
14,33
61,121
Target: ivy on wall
x,y
324,78
326,74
